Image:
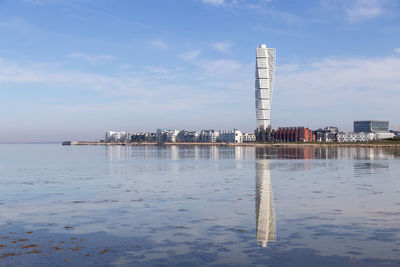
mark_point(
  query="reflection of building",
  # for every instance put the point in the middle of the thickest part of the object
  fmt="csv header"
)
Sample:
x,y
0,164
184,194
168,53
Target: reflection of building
x,y
265,217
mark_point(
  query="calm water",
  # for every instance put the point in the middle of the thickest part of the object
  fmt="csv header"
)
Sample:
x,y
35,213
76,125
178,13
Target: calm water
x,y
148,205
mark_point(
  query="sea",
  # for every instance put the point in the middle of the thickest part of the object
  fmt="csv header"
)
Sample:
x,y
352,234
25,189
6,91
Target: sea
x,y
150,205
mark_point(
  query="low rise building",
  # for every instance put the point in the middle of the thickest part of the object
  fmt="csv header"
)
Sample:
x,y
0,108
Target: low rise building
x,y
396,133
143,137
113,136
355,137
209,136
383,135
161,135
187,136
171,135
293,134
249,137
328,134
234,136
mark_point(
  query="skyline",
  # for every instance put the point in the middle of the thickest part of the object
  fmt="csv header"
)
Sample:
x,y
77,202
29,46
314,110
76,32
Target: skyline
x,y
73,69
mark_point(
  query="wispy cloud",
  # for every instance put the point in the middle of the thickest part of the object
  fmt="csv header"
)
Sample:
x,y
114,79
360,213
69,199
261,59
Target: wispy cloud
x,y
341,89
397,50
263,7
91,59
223,47
20,26
191,55
214,2
158,44
51,2
365,9
358,10
147,87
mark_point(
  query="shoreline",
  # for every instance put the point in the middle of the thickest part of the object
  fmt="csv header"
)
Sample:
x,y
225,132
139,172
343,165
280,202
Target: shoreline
x,y
79,143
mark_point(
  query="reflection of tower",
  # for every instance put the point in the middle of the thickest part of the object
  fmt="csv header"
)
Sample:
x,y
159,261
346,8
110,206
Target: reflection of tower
x,y
265,217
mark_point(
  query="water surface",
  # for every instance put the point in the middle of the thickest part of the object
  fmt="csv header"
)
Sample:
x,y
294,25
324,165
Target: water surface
x,y
200,205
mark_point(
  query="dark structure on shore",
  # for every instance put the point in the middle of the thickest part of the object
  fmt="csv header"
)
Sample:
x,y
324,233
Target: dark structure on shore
x,y
294,134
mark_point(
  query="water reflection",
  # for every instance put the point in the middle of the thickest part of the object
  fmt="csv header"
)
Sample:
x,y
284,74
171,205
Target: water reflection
x,y
265,216
177,152
194,206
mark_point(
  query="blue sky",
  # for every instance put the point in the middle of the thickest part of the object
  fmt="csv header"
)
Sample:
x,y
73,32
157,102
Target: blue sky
x,y
73,69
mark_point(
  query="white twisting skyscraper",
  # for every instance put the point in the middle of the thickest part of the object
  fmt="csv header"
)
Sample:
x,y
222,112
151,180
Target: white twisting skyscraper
x,y
265,67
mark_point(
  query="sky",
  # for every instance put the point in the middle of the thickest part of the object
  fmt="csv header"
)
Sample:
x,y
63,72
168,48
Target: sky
x,y
73,69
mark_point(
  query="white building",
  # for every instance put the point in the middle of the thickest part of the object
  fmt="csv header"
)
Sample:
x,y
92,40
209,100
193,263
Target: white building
x,y
210,136
187,136
355,137
383,135
234,136
265,67
249,137
113,136
171,135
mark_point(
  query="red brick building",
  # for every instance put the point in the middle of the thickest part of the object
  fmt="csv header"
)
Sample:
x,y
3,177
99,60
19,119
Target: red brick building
x,y
294,134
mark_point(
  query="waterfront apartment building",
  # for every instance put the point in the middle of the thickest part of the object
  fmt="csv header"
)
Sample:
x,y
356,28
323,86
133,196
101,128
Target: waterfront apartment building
x,y
143,137
234,136
113,136
187,136
172,135
328,134
384,135
355,137
293,134
371,126
264,81
209,136
249,137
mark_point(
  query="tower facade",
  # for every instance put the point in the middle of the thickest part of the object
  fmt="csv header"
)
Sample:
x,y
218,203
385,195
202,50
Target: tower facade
x,y
265,72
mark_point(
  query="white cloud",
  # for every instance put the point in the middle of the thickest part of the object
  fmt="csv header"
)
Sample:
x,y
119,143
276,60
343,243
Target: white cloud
x,y
372,78
338,91
158,44
397,50
20,26
288,68
52,2
365,9
191,55
214,2
150,87
358,10
91,59
223,47
328,91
